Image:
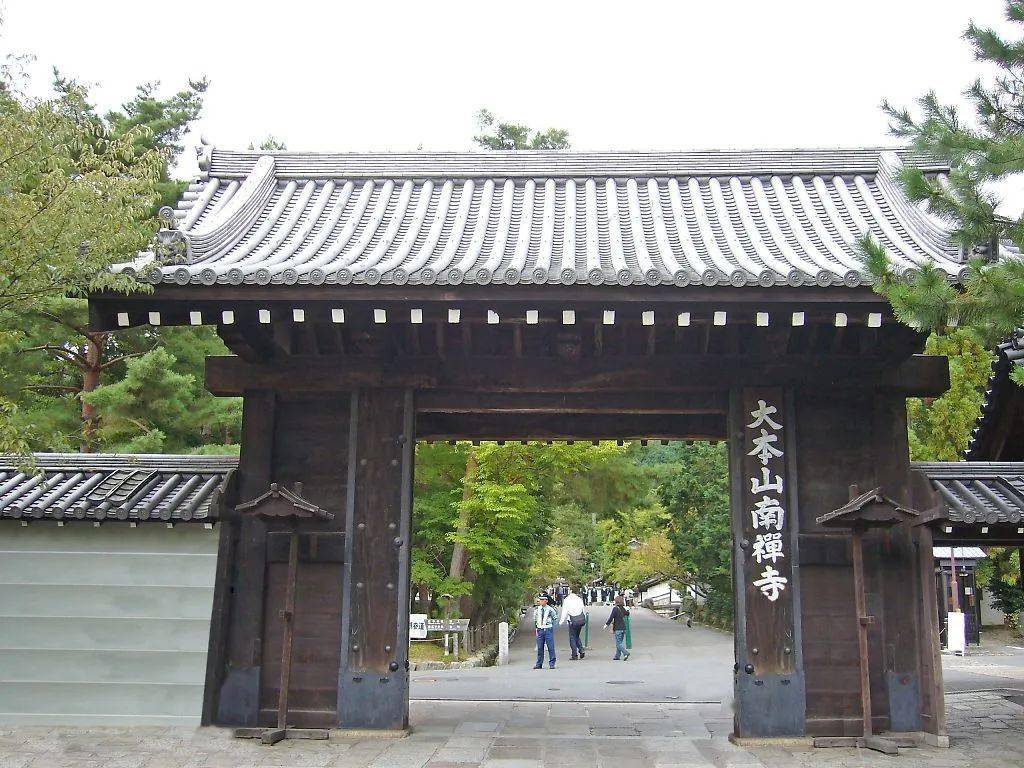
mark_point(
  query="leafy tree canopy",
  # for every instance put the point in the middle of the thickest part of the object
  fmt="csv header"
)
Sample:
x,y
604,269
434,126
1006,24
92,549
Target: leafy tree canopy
x,y
983,151
84,185
77,197
941,427
499,134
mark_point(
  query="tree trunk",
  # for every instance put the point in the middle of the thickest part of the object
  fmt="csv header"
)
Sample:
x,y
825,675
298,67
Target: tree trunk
x,y
459,555
467,605
90,381
460,558
424,592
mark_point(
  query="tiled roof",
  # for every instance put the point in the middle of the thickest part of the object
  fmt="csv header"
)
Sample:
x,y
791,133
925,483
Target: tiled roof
x,y
759,218
978,491
960,553
1008,354
143,487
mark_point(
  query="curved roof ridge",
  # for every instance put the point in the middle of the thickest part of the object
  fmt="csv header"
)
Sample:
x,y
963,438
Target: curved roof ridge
x,y
998,391
565,163
912,218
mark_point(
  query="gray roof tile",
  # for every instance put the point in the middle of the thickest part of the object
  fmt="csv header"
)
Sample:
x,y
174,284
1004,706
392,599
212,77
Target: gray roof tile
x,y
761,218
134,487
978,491
999,388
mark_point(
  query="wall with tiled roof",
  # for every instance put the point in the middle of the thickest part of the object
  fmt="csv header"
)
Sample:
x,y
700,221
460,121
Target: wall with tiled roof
x,y
137,488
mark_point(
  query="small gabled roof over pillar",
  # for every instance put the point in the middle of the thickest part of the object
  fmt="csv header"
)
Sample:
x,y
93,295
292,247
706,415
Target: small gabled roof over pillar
x,y
279,503
871,509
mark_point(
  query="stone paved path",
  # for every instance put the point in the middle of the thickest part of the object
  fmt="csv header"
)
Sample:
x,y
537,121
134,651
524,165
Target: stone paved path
x,y
669,662
987,731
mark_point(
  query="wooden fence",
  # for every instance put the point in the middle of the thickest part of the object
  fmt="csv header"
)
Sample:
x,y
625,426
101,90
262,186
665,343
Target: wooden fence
x,y
481,636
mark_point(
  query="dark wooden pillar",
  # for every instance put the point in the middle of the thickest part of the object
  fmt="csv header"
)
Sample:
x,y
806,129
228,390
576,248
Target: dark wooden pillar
x,y
769,677
288,438
858,438
373,677
933,703
237,626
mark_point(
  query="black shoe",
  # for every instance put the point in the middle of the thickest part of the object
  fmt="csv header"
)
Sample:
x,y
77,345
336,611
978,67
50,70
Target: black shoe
x,y
582,654
539,666
615,658
574,658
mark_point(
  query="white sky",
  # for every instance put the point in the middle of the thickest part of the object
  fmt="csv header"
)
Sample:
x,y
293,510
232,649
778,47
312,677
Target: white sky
x,y
390,75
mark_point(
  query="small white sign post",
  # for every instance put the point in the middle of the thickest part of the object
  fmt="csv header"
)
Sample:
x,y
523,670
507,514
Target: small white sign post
x,y
956,633
502,643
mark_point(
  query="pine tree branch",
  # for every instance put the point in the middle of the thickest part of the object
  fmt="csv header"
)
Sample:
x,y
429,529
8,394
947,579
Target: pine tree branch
x,y
71,357
42,388
80,330
121,358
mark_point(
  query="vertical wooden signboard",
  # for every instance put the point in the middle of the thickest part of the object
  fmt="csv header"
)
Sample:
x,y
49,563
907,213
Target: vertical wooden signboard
x,y
770,696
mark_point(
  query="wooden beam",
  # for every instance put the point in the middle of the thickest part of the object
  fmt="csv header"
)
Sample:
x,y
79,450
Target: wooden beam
x,y
919,375
536,296
254,342
542,426
463,401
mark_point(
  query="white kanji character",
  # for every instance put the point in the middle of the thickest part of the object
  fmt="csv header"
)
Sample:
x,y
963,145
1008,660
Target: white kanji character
x,y
768,546
768,513
763,415
763,448
765,483
771,583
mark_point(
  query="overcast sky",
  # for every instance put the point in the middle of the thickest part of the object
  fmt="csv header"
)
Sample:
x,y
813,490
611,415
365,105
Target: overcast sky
x,y
388,75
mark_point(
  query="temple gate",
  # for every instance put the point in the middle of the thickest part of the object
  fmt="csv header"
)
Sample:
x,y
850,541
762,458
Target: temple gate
x,y
371,301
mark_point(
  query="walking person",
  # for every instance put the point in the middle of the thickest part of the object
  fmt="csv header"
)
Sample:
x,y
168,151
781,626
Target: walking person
x,y
544,619
573,613
617,622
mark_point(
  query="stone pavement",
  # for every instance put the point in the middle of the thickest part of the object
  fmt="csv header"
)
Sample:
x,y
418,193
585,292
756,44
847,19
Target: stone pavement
x,y
669,662
987,729
993,665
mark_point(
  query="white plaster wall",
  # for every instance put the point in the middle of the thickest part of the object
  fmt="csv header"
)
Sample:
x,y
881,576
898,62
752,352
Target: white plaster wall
x,y
663,593
990,616
104,626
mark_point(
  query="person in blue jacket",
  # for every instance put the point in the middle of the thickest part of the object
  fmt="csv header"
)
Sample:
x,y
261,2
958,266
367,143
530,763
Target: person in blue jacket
x,y
544,620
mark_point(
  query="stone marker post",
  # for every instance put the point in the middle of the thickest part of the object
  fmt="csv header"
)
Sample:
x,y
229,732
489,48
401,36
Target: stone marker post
x,y
503,643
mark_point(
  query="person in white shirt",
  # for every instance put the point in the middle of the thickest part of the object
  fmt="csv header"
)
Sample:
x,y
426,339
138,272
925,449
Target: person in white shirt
x,y
574,614
544,619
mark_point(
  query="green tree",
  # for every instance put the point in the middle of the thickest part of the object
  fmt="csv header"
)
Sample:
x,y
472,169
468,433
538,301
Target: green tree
x,y
513,513
695,493
145,406
498,134
982,152
270,143
655,556
940,428
51,355
77,197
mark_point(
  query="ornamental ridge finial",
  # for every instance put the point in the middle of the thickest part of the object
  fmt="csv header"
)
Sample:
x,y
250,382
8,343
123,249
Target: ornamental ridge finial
x,y
204,154
170,244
